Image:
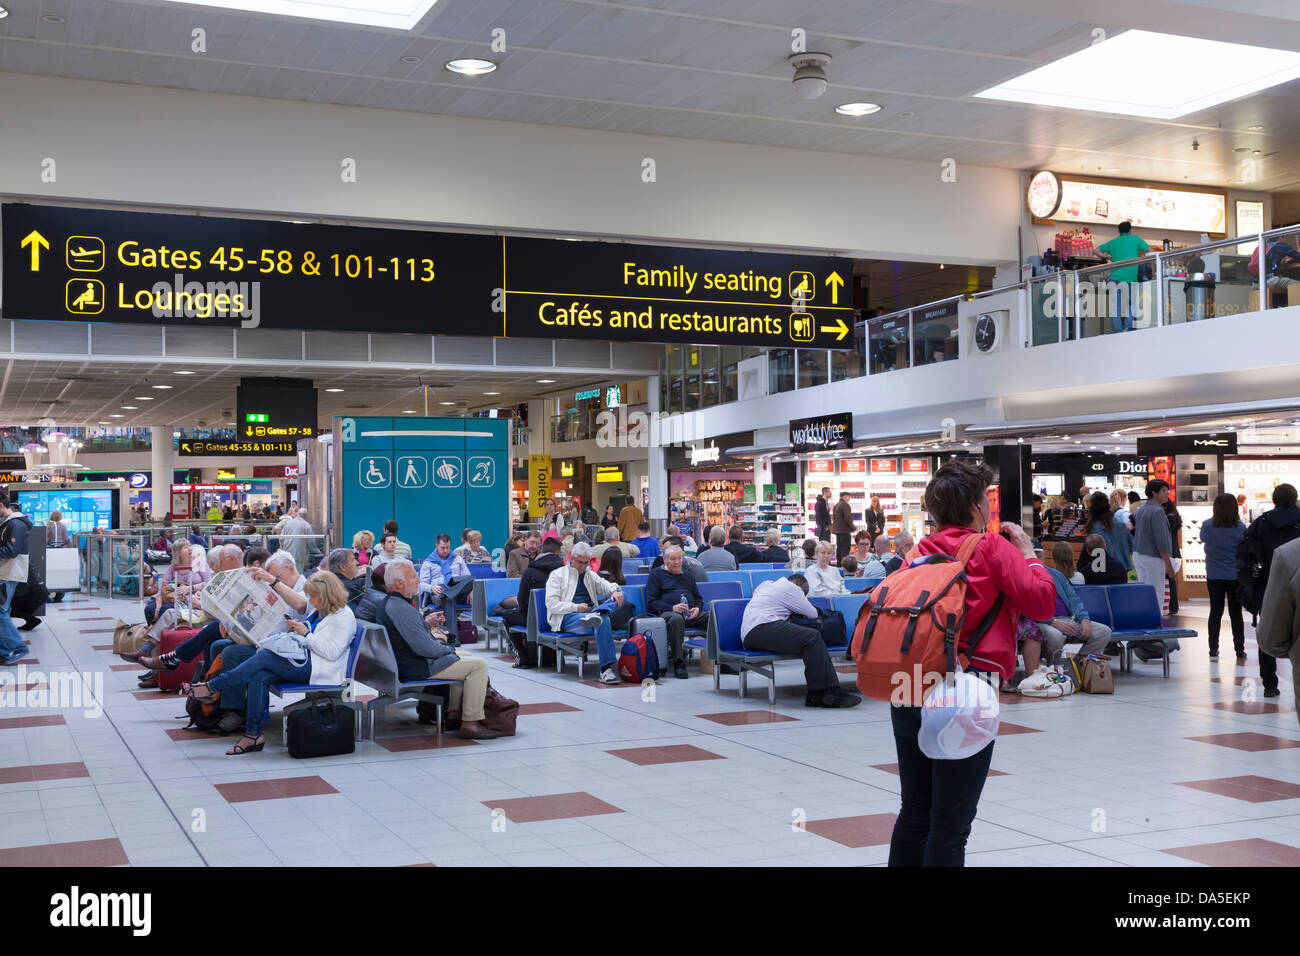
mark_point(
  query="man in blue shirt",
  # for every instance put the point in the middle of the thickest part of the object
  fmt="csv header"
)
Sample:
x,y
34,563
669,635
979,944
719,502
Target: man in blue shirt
x,y
445,578
645,542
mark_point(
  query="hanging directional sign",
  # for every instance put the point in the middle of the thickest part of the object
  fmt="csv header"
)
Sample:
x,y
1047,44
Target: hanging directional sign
x,y
95,265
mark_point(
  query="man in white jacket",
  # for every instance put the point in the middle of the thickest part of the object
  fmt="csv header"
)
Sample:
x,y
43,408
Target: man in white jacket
x,y
579,601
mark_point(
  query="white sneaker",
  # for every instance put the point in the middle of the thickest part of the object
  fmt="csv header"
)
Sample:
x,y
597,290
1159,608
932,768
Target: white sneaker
x,y
592,620
610,675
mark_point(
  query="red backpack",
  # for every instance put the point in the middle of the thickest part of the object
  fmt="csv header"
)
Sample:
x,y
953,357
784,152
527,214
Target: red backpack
x,y
905,638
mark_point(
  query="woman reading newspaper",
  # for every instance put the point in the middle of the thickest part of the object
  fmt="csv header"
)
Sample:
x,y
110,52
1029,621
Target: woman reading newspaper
x,y
313,651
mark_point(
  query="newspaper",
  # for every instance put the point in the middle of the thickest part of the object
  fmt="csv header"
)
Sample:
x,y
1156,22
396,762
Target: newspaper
x,y
249,609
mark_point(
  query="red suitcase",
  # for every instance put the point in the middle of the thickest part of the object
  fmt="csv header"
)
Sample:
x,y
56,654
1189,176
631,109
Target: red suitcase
x,y
172,680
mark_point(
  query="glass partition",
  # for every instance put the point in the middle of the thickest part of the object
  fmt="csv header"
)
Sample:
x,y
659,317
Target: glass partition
x,y
851,363
780,370
887,342
813,367
934,333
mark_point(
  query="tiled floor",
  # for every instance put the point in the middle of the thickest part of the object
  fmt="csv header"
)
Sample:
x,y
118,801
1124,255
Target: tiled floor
x,y
1191,771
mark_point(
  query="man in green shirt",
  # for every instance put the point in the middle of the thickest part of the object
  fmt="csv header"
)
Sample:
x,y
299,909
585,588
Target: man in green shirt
x,y
1122,248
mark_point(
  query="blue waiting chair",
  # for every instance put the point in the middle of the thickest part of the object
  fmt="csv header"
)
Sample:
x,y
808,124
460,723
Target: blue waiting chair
x,y
331,690
725,648
849,605
775,574
631,566
637,579
711,591
1135,610
861,585
481,570
488,593
756,566
376,667
742,577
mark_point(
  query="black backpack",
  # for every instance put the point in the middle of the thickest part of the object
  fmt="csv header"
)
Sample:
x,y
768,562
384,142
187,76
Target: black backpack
x,y
207,715
1254,561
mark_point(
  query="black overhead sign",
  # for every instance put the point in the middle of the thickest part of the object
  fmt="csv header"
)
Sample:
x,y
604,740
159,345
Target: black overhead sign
x,y
224,446
823,433
1222,443
275,408
99,265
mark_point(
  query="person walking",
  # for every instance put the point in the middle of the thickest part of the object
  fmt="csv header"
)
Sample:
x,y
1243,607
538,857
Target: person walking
x,y
1264,537
14,528
843,526
940,797
1279,616
1222,539
56,532
822,515
629,519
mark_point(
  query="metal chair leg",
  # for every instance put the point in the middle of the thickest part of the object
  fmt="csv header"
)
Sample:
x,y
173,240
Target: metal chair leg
x,y
771,689
743,683
717,676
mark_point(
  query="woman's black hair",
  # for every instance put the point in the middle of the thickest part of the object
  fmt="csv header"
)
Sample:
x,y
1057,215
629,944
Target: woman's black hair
x,y
611,565
1225,511
1099,510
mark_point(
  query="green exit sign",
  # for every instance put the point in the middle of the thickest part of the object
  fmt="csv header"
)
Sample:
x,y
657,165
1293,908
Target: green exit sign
x,y
262,417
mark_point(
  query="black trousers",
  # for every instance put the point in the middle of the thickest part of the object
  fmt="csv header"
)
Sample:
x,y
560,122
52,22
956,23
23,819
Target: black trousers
x,y
824,534
454,592
842,546
1268,670
797,636
1173,593
677,631
1219,591
939,798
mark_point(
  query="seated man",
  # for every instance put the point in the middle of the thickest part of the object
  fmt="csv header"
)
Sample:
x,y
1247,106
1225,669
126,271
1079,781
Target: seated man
x,y
772,550
1078,626
342,563
522,556
513,610
690,563
612,541
670,593
742,552
717,557
645,543
770,624
902,544
422,655
223,558
445,578
572,593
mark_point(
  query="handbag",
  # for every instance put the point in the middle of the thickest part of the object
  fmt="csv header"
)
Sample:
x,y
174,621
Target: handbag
x,y
499,712
325,728
1093,674
129,638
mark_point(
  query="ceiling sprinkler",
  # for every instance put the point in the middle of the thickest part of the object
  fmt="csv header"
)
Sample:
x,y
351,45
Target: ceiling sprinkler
x,y
809,73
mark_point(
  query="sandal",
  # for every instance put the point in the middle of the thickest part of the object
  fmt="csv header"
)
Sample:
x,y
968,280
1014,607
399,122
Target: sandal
x,y
191,688
238,749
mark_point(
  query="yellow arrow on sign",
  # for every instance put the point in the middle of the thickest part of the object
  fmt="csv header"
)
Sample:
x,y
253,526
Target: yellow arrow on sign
x,y
185,446
834,281
37,242
839,327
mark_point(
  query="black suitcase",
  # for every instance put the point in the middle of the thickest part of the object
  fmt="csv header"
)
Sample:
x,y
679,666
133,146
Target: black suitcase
x,y
323,729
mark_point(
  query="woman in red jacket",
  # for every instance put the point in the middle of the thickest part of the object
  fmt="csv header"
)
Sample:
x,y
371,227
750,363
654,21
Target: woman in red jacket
x,y
940,797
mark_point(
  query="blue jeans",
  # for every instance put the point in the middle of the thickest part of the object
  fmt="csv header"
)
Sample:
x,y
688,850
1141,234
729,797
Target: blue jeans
x,y
572,624
10,642
1126,292
259,672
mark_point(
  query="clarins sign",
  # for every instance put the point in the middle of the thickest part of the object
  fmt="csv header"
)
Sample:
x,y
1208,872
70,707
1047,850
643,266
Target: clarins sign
x,y
823,433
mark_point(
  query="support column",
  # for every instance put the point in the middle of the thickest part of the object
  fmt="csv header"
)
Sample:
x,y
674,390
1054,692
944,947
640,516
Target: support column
x,y
161,459
657,464
1011,465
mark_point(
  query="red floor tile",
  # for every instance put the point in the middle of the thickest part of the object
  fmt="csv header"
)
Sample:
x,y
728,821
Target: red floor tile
x,y
26,660
1240,853
399,745
14,723
893,768
1251,707
739,718
101,647
181,735
651,756
43,771
156,695
30,685
409,865
1250,788
550,707
99,630
1008,700
555,806
1005,729
1248,741
874,829
276,789
126,667
83,853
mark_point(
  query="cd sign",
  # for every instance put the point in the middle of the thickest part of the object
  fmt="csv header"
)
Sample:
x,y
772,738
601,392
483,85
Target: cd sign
x,y
1044,194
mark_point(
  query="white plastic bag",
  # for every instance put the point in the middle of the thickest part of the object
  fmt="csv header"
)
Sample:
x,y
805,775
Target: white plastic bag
x,y
958,719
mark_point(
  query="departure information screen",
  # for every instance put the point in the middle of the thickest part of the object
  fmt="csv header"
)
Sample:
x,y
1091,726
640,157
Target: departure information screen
x,y
94,265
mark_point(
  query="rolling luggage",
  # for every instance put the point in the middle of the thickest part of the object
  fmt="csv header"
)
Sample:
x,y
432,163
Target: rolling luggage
x,y
184,672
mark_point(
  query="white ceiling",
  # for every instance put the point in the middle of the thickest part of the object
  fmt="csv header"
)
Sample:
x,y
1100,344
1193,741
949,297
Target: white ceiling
x,y
713,69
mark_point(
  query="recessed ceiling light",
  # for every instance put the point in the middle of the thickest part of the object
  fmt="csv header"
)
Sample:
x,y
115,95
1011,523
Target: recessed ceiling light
x,y
333,389
1112,169
392,14
1254,129
446,403
53,18
102,423
3,13
491,393
144,398
858,109
546,381
409,59
468,66
1170,79
408,411
166,386
181,372
131,408
116,416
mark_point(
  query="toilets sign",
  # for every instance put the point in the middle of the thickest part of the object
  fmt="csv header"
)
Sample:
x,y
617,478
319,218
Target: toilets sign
x,y
96,265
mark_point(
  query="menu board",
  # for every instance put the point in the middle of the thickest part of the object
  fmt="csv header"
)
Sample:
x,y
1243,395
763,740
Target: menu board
x,y
1145,206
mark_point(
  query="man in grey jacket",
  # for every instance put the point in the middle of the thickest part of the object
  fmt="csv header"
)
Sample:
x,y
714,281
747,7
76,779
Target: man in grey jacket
x,y
1279,615
420,655
14,526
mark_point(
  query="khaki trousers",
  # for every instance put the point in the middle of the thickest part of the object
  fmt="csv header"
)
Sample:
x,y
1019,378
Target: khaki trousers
x,y
474,672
